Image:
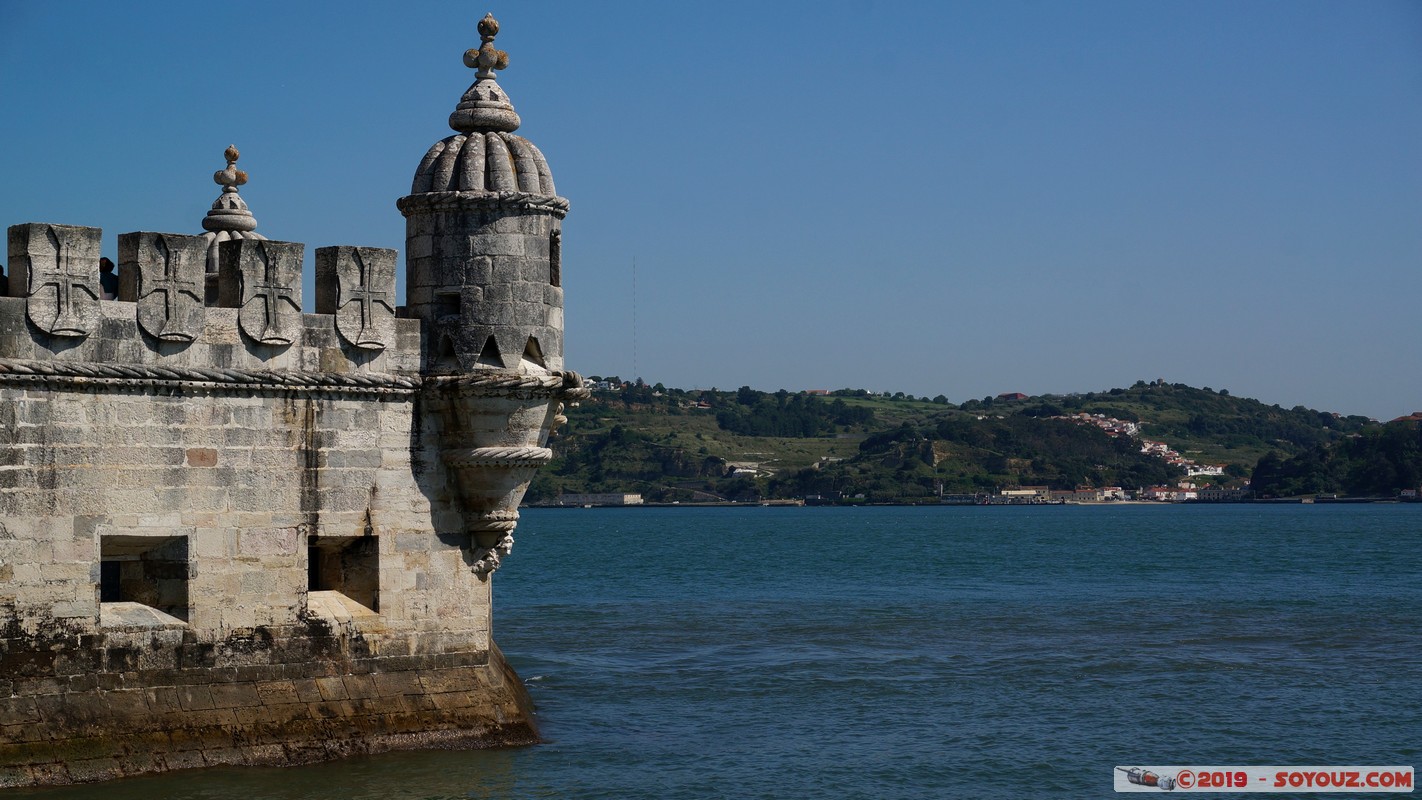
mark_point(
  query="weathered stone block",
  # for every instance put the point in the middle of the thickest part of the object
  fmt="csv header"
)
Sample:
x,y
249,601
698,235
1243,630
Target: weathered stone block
x,y
163,273
360,687
262,280
234,695
357,285
56,267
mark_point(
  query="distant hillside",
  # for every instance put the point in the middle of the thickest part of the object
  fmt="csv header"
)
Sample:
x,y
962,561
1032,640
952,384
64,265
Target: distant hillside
x,y
678,445
1375,463
1208,425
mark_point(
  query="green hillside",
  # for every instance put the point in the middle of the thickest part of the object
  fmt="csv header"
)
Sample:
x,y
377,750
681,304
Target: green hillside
x,y
673,445
1376,463
1210,426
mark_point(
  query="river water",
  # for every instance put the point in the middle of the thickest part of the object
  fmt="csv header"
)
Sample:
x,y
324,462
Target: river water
x,y
926,652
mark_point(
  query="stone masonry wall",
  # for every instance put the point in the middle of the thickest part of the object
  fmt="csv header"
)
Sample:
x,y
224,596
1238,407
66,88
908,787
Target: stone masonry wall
x,y
479,272
227,549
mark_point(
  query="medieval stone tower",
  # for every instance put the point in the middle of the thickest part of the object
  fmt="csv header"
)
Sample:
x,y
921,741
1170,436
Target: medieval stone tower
x,y
234,533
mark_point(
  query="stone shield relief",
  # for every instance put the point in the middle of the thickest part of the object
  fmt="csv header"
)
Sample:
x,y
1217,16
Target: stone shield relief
x,y
163,274
59,265
357,285
262,279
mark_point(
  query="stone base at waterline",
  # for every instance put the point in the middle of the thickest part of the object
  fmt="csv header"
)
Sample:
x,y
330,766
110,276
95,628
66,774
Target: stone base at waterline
x,y
95,727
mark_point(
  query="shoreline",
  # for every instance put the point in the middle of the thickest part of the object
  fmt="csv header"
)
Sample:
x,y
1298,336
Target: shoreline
x,y
1285,501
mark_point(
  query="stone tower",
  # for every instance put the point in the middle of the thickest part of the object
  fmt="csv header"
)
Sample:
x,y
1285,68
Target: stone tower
x,y
232,532
483,250
483,237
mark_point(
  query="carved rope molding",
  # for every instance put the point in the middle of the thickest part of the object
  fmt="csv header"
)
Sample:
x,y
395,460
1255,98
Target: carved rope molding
x,y
80,374
451,201
567,385
498,457
89,375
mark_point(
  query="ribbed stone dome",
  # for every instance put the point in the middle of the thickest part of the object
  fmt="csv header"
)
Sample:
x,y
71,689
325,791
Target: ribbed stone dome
x,y
490,161
484,155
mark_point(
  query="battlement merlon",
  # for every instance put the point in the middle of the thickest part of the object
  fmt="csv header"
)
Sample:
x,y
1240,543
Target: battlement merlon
x,y
54,311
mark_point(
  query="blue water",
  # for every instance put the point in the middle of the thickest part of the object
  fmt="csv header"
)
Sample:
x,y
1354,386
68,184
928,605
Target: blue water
x,y
923,653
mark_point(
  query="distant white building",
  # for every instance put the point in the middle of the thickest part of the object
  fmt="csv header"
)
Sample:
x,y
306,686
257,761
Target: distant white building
x,y
604,499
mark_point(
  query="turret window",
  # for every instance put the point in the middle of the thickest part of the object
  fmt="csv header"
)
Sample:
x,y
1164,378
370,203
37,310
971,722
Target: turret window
x,y
446,305
555,257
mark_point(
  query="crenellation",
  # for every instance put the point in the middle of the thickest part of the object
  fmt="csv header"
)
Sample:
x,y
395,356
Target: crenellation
x,y
52,267
163,274
357,286
262,279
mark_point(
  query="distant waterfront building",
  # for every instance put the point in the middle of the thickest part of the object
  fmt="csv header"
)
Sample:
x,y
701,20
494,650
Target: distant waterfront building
x,y
1172,494
600,499
1022,495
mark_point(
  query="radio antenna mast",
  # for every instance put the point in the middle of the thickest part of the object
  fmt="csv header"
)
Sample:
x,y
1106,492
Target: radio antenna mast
x,y
635,374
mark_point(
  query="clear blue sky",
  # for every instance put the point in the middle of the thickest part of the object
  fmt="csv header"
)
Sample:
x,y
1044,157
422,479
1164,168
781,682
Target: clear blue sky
x,y
928,197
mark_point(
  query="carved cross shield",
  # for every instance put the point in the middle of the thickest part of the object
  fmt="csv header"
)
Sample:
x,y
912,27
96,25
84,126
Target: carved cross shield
x,y
357,284
59,267
262,279
163,273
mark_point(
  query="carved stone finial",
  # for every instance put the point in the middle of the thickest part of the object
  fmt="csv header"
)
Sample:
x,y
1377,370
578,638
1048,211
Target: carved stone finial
x,y
229,218
486,58
485,107
231,177
488,27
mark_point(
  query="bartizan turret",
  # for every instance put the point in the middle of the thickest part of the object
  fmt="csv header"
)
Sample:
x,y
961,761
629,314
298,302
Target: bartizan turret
x,y
483,256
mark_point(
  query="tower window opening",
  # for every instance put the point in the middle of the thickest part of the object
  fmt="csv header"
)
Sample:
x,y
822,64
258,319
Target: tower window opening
x,y
149,571
345,565
555,258
446,304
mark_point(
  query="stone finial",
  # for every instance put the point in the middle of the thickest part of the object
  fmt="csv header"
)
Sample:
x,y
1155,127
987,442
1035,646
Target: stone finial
x,y
486,58
229,212
229,217
485,107
231,177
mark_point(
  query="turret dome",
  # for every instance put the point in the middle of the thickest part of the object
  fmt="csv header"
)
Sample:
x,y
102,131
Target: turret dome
x,y
492,161
484,155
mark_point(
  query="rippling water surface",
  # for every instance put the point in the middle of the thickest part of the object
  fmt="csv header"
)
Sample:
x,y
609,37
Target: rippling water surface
x,y
923,653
